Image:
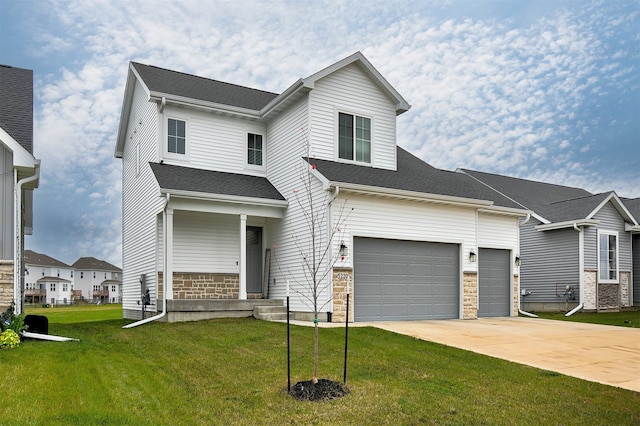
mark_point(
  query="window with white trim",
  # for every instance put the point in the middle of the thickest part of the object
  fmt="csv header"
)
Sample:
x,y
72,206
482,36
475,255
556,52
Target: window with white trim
x,y
354,138
176,136
608,256
255,149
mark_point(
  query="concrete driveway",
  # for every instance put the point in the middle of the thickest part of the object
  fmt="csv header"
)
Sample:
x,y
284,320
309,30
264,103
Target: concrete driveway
x,y
598,353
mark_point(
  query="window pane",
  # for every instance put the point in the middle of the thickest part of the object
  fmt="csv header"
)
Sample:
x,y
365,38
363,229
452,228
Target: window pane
x,y
254,149
363,139
176,136
345,136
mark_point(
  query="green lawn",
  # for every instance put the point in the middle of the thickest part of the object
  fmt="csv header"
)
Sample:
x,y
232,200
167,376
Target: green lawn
x,y
622,319
233,371
79,313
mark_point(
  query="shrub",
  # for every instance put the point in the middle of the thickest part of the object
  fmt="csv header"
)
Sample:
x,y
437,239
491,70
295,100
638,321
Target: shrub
x,y
9,339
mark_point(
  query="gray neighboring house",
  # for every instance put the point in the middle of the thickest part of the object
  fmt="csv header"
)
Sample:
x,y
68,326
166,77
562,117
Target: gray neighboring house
x,y
19,176
575,249
634,207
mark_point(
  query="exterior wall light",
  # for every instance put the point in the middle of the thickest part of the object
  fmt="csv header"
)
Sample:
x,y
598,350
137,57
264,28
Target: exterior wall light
x,y
518,261
344,250
473,257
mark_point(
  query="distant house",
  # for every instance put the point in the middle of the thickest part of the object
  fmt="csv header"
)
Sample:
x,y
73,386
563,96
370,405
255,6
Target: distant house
x,y
576,248
47,280
98,280
19,176
213,200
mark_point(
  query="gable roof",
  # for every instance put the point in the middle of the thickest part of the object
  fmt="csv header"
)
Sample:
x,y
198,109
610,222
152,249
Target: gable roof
x,y
550,203
633,204
39,259
93,264
164,82
412,176
16,108
188,179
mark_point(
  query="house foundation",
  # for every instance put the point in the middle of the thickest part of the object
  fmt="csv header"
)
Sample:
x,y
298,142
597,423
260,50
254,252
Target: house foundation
x,y
6,284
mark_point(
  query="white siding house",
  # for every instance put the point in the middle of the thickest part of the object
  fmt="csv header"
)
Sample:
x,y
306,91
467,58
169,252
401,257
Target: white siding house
x,y
217,180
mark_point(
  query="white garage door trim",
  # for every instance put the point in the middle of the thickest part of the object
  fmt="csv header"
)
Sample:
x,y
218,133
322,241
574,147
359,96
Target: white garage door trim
x,y
406,280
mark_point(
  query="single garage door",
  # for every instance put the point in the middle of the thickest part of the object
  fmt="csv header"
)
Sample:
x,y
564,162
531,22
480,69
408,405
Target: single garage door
x,y
494,283
405,280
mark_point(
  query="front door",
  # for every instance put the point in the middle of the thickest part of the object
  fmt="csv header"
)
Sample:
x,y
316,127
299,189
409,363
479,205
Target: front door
x,y
254,259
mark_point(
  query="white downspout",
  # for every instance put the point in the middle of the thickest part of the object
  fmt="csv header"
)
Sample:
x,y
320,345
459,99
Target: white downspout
x,y
581,270
17,267
520,311
164,268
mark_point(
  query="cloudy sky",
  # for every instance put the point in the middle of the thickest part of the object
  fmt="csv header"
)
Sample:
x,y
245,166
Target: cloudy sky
x,y
545,90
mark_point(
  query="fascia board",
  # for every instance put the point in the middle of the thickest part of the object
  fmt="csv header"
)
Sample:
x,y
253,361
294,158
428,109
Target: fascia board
x,y
632,228
225,198
618,204
299,86
401,104
505,211
410,195
126,109
21,157
567,224
208,106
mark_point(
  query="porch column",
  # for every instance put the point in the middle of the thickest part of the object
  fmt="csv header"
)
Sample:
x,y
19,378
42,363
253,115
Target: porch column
x,y
168,252
243,257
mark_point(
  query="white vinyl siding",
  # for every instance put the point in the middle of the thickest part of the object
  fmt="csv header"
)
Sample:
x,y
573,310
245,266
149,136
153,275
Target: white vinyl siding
x,y
140,200
495,231
216,142
206,242
351,91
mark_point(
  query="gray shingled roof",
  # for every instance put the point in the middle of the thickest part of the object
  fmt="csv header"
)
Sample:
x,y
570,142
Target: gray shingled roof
x,y
212,182
33,258
93,264
190,86
556,203
16,104
414,175
633,205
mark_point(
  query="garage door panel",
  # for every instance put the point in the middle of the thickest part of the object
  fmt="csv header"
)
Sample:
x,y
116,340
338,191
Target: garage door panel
x,y
494,283
410,278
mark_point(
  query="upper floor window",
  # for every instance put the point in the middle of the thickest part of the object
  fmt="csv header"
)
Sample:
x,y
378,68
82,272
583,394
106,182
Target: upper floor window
x,y
608,256
52,287
255,149
176,136
81,275
65,287
354,138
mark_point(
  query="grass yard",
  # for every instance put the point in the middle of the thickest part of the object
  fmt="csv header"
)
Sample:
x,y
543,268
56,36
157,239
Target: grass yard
x,y
622,319
79,313
233,371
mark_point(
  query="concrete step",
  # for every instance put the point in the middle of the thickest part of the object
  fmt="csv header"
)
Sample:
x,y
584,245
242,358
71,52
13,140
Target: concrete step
x,y
270,313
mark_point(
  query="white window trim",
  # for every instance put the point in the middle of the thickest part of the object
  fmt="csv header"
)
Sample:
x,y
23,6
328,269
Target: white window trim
x,y
336,115
616,280
165,138
245,146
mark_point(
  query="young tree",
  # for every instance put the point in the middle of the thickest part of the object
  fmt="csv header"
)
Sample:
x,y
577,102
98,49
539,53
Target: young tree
x,y
316,245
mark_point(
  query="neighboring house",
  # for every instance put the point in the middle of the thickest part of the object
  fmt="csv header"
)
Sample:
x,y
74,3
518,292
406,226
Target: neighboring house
x,y
98,280
19,176
47,280
576,248
212,184
634,207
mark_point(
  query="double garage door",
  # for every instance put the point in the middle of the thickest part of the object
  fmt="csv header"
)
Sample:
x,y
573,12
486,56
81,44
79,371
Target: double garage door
x,y
414,280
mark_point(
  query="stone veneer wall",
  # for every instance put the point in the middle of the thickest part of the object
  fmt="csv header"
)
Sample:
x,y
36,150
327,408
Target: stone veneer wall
x,y
470,295
342,276
625,297
590,277
204,285
6,284
609,296
516,294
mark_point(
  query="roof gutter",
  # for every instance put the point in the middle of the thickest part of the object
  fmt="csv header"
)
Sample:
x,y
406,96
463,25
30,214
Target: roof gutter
x,y
581,270
411,195
568,224
164,257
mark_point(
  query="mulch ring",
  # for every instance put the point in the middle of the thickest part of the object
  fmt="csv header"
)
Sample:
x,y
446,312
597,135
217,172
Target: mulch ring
x,y
324,390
